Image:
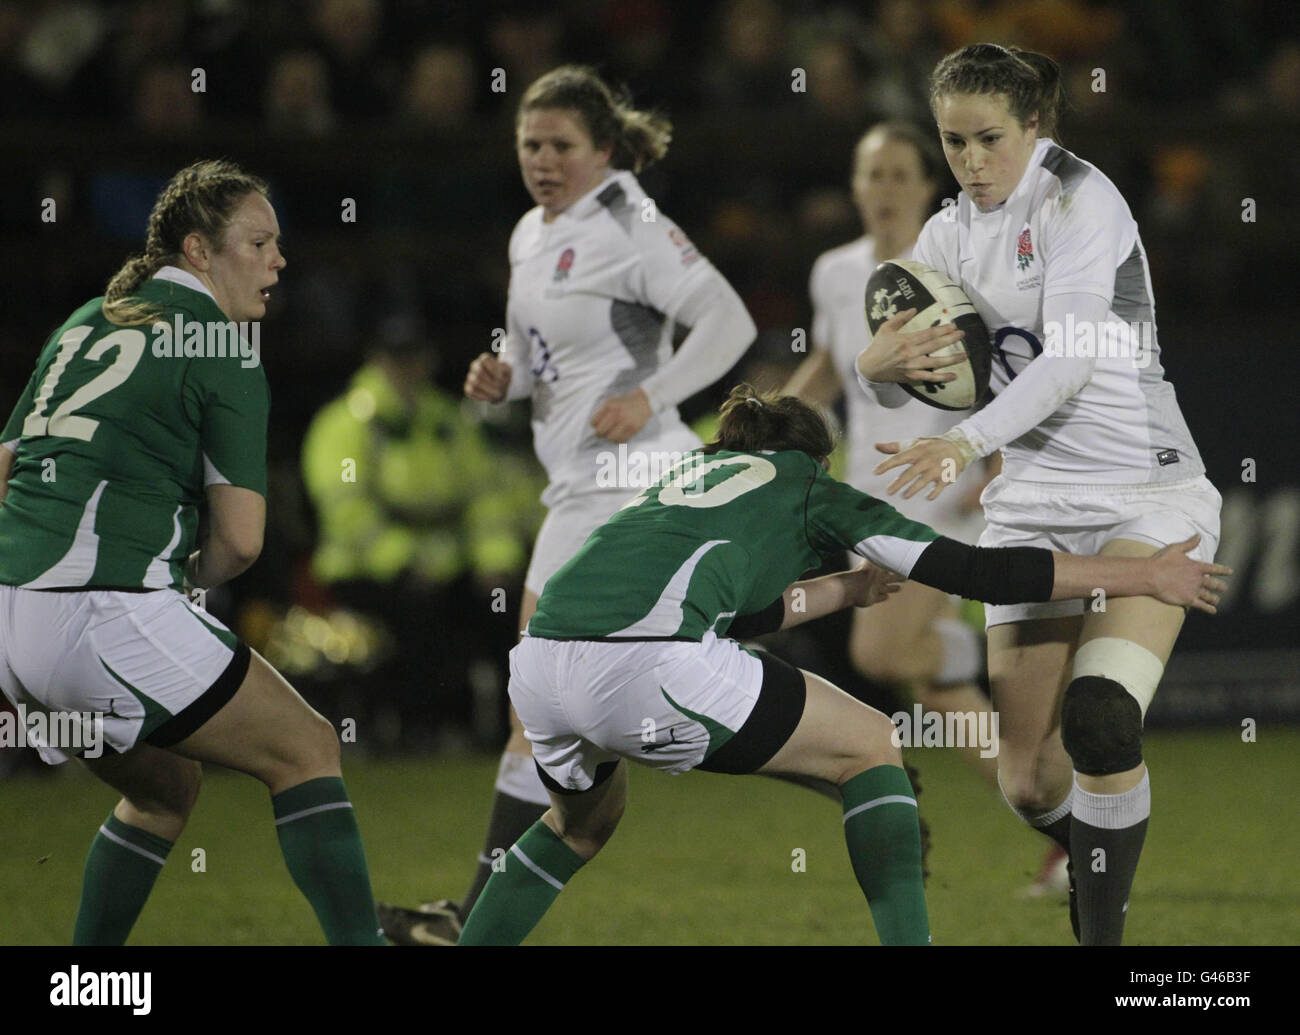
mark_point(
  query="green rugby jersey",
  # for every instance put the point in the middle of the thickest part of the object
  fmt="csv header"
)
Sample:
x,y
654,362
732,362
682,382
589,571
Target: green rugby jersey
x,y
116,438
720,535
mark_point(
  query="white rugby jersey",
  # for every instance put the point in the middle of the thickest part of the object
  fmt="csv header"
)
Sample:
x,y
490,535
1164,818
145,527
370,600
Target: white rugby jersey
x,y
838,287
593,295
1066,229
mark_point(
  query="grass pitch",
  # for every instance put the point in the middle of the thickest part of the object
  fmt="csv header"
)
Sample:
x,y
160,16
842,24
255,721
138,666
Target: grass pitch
x,y
698,860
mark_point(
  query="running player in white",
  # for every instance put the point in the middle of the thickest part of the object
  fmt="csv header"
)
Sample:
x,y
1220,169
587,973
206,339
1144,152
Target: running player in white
x,y
145,405
1096,457
602,286
632,653
916,638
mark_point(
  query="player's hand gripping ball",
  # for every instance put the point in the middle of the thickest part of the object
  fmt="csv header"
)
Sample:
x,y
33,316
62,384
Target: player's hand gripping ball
x,y
954,373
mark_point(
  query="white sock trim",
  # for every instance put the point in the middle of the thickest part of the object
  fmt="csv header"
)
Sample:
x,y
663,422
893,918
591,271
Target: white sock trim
x,y
887,799
1113,811
517,777
514,849
312,811
132,848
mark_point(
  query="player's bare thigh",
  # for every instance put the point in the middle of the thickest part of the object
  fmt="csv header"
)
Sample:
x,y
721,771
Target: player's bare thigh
x,y
586,821
1029,669
1141,620
887,639
268,731
837,737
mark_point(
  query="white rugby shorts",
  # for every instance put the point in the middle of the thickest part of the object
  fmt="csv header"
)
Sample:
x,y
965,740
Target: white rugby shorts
x,y
567,525
135,659
667,704
1082,519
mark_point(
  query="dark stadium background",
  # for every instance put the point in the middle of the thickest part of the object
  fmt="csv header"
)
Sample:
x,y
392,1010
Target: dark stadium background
x,y
1198,118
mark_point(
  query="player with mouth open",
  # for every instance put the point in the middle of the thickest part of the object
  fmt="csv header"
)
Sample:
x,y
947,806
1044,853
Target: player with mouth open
x,y
112,450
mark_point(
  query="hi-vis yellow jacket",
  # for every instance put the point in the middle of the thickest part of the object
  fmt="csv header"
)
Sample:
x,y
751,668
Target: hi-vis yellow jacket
x,y
414,491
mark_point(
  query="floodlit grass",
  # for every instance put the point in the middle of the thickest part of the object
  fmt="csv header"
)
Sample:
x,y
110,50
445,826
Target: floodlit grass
x,y
698,860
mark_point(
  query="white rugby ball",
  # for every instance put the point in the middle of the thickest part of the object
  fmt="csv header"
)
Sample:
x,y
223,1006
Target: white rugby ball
x,y
898,285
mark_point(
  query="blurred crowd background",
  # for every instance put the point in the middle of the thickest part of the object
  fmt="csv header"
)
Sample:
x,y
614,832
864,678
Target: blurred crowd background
x,y
406,108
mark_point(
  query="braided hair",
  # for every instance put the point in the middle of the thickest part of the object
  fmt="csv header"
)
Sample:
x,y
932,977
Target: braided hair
x,y
201,198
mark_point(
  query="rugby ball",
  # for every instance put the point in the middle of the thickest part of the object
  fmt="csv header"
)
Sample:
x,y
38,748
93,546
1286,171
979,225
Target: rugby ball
x,y
898,285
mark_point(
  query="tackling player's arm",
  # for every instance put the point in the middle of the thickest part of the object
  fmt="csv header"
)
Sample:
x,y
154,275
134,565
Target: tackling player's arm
x,y
236,525
839,516
863,586
1027,574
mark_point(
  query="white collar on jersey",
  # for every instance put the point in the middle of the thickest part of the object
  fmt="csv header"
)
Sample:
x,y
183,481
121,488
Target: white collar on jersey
x,y
1035,160
185,279
587,204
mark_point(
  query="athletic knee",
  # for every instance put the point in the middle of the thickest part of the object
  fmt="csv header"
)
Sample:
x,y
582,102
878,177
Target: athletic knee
x,y
311,750
588,837
1025,791
171,797
1101,726
874,744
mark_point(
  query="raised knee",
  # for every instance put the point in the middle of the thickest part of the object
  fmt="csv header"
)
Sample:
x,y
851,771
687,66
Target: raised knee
x,y
1101,726
875,746
319,745
173,795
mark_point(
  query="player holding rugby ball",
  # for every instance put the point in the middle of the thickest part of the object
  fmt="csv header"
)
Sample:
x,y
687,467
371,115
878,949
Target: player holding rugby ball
x,y
1096,456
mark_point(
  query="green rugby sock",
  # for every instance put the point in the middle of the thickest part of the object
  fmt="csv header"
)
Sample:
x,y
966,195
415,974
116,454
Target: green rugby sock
x,y
537,868
884,839
123,863
322,849
511,818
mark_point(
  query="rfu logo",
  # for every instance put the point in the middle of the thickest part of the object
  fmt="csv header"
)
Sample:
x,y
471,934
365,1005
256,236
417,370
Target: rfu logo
x,y
883,304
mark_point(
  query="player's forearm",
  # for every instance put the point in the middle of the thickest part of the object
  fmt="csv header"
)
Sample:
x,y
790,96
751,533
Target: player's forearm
x,y
815,598
800,603
721,331
1116,576
217,561
1045,385
1028,574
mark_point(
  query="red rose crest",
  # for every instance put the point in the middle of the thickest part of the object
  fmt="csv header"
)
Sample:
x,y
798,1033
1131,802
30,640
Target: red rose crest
x,y
564,265
1024,249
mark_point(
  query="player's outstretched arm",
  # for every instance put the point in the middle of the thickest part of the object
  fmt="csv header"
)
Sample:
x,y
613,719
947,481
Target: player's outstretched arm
x,y
1170,575
1027,574
865,585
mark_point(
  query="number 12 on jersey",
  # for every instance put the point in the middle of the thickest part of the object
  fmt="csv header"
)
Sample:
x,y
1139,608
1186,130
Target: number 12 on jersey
x,y
64,422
